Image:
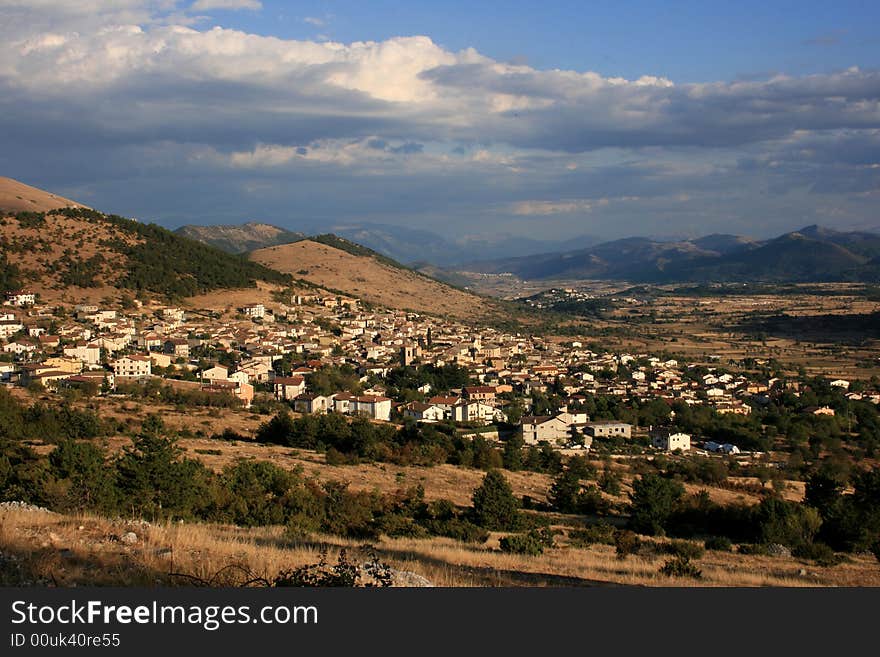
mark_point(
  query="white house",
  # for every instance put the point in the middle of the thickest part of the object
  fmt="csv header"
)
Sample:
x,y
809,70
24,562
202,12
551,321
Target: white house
x,y
137,366
90,354
289,387
9,328
310,403
216,373
541,428
608,429
424,412
21,298
255,310
670,441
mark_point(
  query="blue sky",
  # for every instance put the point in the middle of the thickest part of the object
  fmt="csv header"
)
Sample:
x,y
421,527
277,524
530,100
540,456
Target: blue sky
x,y
483,120
687,41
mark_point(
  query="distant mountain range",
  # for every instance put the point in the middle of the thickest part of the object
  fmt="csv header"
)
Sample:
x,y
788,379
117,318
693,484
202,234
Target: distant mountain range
x,y
408,245
811,254
240,238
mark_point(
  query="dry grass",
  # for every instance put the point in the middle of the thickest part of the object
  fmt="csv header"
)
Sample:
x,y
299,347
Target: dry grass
x,y
15,196
52,549
371,280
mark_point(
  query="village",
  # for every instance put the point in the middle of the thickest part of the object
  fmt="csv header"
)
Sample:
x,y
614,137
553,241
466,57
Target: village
x,y
258,350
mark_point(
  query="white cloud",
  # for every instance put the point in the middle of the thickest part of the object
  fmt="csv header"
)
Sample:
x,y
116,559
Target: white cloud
x,y
125,77
207,5
314,20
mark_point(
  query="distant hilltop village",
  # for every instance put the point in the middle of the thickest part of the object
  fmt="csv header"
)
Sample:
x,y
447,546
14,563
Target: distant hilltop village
x,y
328,354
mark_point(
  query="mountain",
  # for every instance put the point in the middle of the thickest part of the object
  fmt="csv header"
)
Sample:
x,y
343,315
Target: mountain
x,y
401,243
811,254
15,196
335,263
411,245
73,252
724,244
240,238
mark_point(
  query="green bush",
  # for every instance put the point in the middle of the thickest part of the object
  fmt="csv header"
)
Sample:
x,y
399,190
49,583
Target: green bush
x,y
818,552
718,543
685,549
495,507
626,542
532,543
680,567
758,549
602,533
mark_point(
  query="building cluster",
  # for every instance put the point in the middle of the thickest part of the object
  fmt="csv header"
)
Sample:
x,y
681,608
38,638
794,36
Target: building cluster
x,y
275,348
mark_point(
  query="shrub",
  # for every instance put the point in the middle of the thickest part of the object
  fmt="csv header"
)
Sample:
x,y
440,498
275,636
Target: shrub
x,y
654,500
602,533
342,574
495,507
718,543
680,567
818,552
685,549
626,542
758,549
532,543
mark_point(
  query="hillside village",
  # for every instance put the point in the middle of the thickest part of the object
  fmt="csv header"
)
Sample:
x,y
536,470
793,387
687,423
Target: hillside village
x,y
535,384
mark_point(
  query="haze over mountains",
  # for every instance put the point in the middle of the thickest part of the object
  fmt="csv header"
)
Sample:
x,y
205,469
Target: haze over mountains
x,y
811,254
409,245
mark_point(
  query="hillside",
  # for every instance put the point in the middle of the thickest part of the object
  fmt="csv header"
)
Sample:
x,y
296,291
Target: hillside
x,y
240,238
15,196
78,253
334,263
813,254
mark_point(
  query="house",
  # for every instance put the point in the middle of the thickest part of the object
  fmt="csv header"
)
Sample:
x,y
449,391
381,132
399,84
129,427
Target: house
x,y
20,298
19,347
608,429
10,327
134,366
216,373
409,354
543,428
480,393
64,364
446,402
476,411
288,387
256,370
670,440
177,347
241,391
49,341
255,310
424,412
311,403
89,354
373,407
819,410
160,360
840,383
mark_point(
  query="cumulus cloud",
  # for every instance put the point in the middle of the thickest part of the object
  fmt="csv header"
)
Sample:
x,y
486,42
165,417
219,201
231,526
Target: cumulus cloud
x,y
139,77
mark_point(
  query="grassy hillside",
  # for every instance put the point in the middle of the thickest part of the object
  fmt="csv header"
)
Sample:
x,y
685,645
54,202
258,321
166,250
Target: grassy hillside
x,y
15,196
70,250
240,238
334,263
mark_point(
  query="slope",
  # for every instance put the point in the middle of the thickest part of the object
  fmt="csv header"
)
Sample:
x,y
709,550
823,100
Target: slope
x,y
15,196
78,253
240,238
334,263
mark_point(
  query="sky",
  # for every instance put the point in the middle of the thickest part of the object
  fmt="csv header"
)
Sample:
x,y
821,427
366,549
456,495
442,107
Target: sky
x,y
546,120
